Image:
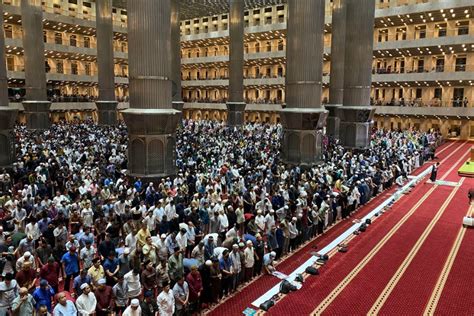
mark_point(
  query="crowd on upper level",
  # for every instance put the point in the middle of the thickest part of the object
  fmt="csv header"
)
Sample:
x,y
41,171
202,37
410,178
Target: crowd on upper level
x,y
78,235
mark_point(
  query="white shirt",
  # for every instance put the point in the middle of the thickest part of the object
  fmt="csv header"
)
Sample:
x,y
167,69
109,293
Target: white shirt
x,y
86,304
166,304
170,212
134,285
130,312
260,221
33,230
131,241
182,240
249,257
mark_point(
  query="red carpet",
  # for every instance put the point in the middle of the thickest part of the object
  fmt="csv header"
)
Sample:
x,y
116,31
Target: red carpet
x,y
456,297
236,304
244,299
377,273
423,272
316,289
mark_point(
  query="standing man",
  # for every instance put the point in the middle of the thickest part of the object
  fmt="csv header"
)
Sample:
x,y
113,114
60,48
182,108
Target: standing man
x,y
134,309
104,296
249,259
70,262
43,295
23,304
86,303
181,296
165,301
9,290
434,172
148,305
120,291
175,265
64,306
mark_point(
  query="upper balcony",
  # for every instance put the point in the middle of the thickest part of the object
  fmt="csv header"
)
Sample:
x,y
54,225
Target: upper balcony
x,y
448,73
437,112
70,13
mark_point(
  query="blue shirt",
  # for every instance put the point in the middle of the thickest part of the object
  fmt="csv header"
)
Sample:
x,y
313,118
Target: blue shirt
x,y
43,297
71,263
68,310
111,265
225,264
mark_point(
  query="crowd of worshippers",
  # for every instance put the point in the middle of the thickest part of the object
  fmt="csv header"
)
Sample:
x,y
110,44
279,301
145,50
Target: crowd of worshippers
x,y
78,236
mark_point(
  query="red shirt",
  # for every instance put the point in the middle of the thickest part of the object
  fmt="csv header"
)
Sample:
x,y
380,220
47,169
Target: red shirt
x,y
50,273
24,278
104,299
195,286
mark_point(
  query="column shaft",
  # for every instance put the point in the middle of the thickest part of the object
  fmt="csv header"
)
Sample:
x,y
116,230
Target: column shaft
x,y
7,114
304,53
33,44
303,119
236,105
236,57
338,35
336,84
356,114
359,45
149,38
176,50
3,68
105,50
151,120
37,105
106,105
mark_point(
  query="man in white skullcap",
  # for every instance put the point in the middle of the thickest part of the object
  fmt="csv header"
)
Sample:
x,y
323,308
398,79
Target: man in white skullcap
x,y
133,309
86,302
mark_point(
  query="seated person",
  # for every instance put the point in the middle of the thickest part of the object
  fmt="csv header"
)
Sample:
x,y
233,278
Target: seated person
x,y
268,262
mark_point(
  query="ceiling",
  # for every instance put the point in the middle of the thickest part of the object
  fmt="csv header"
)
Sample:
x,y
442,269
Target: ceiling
x,y
198,8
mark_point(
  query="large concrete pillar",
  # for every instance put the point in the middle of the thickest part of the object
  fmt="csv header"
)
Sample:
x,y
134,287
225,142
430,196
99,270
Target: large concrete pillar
x,y
106,105
336,84
357,114
176,50
304,118
236,104
7,114
37,105
151,120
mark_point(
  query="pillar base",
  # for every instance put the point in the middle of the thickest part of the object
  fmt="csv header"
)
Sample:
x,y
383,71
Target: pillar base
x,y
7,139
235,113
37,114
355,126
333,121
152,142
302,138
107,111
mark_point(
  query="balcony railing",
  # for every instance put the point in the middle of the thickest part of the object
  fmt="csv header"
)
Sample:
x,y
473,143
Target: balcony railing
x,y
419,34
424,69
